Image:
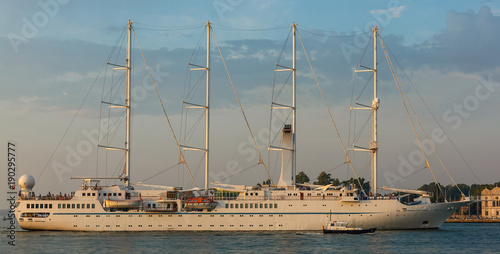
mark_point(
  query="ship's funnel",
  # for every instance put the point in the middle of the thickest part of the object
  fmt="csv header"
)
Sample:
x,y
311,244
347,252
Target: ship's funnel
x,y
286,157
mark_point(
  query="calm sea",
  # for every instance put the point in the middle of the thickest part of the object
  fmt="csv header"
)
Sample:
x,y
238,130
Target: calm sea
x,y
451,238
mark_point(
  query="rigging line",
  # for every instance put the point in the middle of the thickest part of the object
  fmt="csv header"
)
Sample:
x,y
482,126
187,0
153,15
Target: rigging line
x,y
282,87
241,108
338,166
161,172
355,87
199,166
363,90
164,111
435,119
248,29
70,124
197,48
391,67
120,119
239,172
189,134
79,108
423,130
194,89
329,112
321,33
100,119
283,48
164,28
273,97
365,124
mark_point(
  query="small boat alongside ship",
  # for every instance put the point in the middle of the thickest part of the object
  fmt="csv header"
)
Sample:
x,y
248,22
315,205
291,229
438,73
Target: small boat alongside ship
x,y
341,227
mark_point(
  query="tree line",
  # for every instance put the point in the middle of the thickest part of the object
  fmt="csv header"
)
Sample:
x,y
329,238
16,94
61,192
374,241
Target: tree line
x,y
448,192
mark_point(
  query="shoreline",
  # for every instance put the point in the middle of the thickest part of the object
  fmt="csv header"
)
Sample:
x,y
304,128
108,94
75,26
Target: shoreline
x,y
472,221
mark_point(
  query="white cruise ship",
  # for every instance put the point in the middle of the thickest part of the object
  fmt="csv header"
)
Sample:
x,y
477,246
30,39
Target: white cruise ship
x,y
220,207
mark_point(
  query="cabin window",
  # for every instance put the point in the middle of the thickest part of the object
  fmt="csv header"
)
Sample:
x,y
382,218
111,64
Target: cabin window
x,y
68,206
93,206
486,213
99,194
27,206
232,206
59,206
114,194
36,206
119,194
93,194
251,205
64,205
104,194
227,205
78,206
246,205
265,205
83,194
235,205
45,206
251,194
149,205
256,194
73,206
50,206
88,206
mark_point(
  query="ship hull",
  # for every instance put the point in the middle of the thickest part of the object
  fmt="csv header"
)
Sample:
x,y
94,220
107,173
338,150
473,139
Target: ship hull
x,y
282,215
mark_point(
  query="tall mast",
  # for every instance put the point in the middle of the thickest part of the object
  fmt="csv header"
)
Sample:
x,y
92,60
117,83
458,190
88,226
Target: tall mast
x,y
288,140
373,148
375,105
294,112
207,116
205,107
128,104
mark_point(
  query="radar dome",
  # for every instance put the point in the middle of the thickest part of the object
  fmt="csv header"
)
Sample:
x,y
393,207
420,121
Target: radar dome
x,y
26,182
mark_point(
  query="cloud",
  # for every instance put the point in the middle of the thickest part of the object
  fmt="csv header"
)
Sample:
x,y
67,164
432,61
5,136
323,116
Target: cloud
x,y
395,11
469,43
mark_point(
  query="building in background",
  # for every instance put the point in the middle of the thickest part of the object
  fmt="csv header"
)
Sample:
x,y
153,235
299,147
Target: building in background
x,y
490,204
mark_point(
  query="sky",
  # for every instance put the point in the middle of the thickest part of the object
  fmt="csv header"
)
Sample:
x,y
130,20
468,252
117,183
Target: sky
x,y
53,52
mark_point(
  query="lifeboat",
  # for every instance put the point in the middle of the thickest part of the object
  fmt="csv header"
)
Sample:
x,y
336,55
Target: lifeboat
x,y
128,203
200,203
